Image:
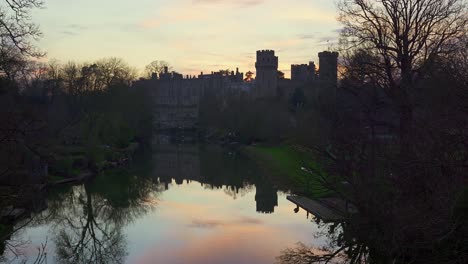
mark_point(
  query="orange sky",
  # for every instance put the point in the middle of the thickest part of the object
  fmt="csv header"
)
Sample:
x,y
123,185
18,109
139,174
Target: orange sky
x,y
192,35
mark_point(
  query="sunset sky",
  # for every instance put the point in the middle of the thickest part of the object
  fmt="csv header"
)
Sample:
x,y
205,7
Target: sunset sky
x,y
192,35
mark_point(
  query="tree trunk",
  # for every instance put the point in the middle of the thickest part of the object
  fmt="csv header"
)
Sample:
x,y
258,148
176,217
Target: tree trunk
x,y
406,128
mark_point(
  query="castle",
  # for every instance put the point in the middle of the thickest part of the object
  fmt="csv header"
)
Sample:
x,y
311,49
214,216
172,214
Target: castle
x,y
176,98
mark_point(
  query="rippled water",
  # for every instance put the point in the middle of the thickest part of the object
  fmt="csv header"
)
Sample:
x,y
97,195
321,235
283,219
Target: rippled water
x,y
181,204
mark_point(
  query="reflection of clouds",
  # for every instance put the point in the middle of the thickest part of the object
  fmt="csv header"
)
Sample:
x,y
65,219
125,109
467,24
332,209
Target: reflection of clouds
x,y
212,228
236,244
205,223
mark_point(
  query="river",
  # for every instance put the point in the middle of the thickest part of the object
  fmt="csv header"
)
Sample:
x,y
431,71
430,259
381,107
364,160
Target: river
x,y
178,204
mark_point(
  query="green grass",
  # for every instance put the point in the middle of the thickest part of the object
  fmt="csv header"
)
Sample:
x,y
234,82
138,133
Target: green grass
x,y
54,178
69,150
286,163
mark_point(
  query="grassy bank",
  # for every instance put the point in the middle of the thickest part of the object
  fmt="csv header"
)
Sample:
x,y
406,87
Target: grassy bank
x,y
288,166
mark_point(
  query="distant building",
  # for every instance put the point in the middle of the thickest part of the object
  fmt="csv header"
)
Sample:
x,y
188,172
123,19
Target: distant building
x,y
267,74
328,62
176,98
303,72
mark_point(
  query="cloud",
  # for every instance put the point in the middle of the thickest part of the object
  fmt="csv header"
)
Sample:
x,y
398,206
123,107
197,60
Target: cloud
x,y
73,29
306,36
69,33
238,3
173,15
77,27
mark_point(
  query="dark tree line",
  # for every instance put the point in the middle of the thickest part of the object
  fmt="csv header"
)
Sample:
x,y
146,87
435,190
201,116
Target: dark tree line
x,y
398,141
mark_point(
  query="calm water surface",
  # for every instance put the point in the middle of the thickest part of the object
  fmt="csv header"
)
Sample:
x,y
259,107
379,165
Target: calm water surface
x,y
181,204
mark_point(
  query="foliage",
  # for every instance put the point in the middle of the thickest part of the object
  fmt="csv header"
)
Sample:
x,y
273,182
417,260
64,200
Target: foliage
x,y
251,121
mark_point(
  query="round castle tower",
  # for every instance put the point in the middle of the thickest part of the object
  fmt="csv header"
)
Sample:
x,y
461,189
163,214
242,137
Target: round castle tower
x,y
266,80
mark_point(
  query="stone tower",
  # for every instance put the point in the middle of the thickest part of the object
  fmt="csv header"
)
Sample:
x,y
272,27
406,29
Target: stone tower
x,y
328,63
266,80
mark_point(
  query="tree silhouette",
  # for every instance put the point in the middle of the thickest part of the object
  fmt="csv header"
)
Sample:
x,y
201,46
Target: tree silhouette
x,y
16,28
85,235
406,36
156,67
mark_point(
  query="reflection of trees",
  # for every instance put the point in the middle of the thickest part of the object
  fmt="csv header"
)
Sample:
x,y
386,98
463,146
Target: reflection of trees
x,y
233,173
343,246
88,220
215,168
210,165
85,231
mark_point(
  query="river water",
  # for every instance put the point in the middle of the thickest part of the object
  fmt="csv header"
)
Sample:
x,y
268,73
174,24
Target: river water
x,y
179,204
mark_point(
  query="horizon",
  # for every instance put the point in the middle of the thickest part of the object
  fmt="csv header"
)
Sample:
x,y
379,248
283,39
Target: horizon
x,y
193,36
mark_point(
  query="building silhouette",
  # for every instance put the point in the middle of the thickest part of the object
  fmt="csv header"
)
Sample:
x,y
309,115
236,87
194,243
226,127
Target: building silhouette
x,y
266,81
176,97
303,72
328,71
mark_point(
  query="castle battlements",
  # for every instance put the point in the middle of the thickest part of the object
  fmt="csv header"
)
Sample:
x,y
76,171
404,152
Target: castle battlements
x,y
266,58
328,53
328,62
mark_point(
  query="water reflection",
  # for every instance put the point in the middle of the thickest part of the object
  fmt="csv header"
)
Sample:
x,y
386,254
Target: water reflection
x,y
86,230
87,220
214,168
180,204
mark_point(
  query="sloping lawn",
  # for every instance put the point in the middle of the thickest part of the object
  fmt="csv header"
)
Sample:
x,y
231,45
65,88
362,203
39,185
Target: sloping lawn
x,y
291,166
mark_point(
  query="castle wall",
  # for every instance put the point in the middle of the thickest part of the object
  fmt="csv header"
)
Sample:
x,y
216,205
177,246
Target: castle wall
x,y
176,103
176,99
299,72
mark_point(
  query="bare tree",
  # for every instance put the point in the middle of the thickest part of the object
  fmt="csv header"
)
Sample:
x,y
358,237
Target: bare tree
x,y
16,27
112,70
407,36
156,67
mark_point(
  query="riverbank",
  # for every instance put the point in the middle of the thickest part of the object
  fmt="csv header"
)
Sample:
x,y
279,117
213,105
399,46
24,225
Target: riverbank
x,y
65,165
75,163
290,166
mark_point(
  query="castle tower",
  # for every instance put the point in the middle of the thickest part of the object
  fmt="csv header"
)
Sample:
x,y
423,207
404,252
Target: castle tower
x,y
266,80
328,63
312,71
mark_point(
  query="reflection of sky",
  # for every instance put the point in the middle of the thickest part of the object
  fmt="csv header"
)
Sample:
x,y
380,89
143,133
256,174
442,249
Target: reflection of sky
x,y
196,225
193,35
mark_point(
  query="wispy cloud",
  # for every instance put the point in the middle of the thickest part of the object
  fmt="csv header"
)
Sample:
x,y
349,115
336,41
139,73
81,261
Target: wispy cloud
x,y
306,36
77,26
73,29
69,33
238,3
